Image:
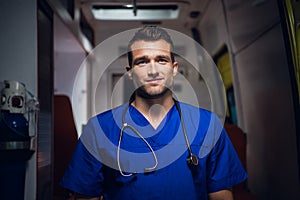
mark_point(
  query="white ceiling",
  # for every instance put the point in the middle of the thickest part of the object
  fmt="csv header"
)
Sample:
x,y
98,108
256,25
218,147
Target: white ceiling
x,y
104,29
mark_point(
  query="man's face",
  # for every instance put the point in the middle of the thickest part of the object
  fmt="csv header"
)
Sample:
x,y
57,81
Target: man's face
x,y
152,71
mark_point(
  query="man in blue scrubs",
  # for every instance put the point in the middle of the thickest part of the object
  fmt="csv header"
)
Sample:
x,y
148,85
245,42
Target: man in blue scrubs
x,y
154,147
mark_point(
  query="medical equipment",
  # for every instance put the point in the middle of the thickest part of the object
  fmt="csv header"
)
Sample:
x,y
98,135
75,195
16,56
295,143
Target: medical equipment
x,y
191,160
18,116
18,127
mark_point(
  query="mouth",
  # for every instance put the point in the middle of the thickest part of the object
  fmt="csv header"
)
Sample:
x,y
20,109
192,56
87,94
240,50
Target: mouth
x,y
153,81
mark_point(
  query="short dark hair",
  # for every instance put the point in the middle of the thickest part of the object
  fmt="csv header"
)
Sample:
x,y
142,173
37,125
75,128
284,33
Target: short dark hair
x,y
150,33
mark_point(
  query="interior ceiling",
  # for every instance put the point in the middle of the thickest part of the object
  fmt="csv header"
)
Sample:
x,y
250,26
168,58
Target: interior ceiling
x,y
184,23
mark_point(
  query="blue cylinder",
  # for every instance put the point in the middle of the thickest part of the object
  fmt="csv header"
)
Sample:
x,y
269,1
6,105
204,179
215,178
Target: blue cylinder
x,y
14,154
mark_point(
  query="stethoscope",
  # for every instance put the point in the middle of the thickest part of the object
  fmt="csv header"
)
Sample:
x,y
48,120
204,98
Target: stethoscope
x,y
191,159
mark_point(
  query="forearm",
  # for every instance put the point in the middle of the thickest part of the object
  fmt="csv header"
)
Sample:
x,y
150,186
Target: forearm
x,y
221,195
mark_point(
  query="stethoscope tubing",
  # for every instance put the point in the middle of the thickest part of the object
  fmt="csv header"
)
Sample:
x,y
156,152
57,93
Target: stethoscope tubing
x,y
147,169
192,159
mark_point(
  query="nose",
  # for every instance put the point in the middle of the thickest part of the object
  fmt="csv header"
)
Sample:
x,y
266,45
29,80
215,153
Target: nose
x,y
152,69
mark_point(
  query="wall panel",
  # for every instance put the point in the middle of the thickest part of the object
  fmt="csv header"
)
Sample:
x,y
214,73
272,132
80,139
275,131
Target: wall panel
x,y
268,115
247,20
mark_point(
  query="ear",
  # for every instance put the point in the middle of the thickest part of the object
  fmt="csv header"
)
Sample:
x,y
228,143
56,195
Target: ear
x,y
129,72
175,68
128,68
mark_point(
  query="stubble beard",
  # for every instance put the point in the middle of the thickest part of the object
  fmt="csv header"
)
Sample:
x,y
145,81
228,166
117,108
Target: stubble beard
x,y
146,94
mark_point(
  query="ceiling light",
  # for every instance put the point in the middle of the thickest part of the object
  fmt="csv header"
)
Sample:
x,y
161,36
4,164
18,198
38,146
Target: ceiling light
x,y
129,6
145,12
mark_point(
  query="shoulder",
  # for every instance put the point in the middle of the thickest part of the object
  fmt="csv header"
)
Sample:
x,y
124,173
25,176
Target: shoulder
x,y
194,112
109,116
104,121
191,107
110,112
204,122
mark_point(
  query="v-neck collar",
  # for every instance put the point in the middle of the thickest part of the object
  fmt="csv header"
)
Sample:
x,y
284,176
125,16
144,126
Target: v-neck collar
x,y
141,120
162,134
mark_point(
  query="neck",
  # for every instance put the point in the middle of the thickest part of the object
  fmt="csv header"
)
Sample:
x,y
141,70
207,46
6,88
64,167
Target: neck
x,y
155,109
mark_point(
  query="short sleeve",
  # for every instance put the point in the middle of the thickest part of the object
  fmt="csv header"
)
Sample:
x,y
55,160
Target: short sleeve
x,y
84,173
224,167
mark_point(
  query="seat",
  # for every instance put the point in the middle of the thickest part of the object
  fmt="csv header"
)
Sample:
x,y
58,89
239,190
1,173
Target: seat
x,y
239,140
65,140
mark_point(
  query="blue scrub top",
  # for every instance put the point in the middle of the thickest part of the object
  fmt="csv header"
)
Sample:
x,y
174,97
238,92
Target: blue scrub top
x,y
93,169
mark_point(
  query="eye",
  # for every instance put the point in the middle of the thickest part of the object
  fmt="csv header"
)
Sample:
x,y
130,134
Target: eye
x,y
163,60
140,62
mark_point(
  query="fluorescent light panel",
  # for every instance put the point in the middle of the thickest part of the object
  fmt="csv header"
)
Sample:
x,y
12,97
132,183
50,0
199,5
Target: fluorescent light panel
x,y
161,12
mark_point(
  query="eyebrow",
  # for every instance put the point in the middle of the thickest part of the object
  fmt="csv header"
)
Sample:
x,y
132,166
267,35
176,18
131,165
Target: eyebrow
x,y
147,58
164,56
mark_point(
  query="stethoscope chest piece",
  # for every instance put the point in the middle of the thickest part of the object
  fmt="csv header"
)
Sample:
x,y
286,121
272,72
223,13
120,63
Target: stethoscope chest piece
x,y
192,160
